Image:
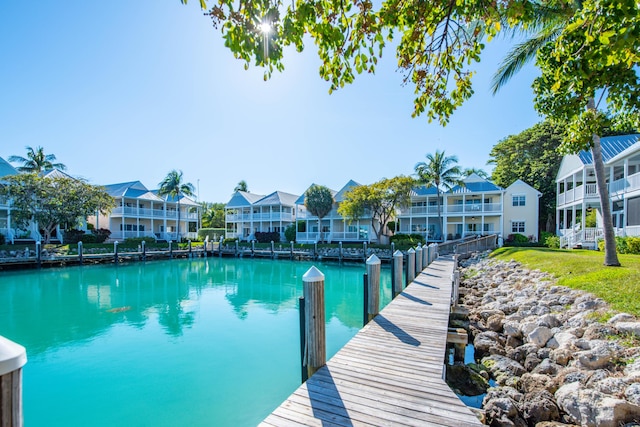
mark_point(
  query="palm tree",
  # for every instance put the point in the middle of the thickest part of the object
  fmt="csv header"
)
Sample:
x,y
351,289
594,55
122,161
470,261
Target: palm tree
x,y
550,23
242,186
480,172
36,161
173,186
440,171
319,201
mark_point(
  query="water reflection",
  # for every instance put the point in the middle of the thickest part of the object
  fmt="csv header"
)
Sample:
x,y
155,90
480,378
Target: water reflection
x,y
59,307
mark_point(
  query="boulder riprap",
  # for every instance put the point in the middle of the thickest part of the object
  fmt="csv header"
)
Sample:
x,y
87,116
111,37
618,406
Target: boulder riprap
x,y
554,363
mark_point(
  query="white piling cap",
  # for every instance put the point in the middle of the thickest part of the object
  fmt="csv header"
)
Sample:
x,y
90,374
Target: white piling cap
x,y
12,356
398,253
373,260
313,275
411,251
419,248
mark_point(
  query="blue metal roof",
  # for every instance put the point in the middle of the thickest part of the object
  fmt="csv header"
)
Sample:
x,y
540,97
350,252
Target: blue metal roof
x,y
611,147
278,198
125,189
423,190
339,196
6,168
476,187
242,199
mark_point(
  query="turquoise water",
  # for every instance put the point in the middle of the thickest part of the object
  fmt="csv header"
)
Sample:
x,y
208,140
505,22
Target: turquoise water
x,y
201,342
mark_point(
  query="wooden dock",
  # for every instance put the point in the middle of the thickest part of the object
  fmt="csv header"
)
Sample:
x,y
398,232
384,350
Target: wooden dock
x,y
391,372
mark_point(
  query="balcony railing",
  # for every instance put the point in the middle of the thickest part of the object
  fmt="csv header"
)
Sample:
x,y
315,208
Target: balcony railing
x,y
631,183
578,193
274,216
151,213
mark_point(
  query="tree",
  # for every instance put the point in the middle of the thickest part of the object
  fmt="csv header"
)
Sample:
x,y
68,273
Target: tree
x,y
212,215
50,202
436,42
480,172
379,200
242,186
531,156
36,161
173,187
440,171
595,55
319,201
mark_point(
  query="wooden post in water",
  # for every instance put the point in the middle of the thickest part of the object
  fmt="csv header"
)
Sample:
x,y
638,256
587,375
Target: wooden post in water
x,y
396,277
340,251
220,246
419,259
373,288
393,248
456,288
170,249
236,248
12,358
115,252
144,250
364,251
292,249
190,253
315,250
314,313
273,253
365,299
304,373
38,253
253,248
411,265
80,252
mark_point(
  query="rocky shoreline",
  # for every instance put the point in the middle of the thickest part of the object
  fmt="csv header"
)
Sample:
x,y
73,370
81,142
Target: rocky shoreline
x,y
554,361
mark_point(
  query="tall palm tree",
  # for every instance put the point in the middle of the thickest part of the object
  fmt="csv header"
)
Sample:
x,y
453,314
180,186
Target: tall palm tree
x,y
440,171
319,201
550,23
36,161
480,172
242,186
173,186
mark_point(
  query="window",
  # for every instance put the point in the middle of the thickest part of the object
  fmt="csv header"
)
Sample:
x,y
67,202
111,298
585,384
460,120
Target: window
x,y
517,226
519,200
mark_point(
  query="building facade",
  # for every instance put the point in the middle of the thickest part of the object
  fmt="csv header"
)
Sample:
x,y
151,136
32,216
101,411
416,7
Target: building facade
x,y
578,200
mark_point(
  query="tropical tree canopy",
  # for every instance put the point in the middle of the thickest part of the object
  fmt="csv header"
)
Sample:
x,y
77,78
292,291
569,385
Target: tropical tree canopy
x,y
439,170
532,156
379,200
480,172
173,186
436,43
242,186
36,161
53,201
212,215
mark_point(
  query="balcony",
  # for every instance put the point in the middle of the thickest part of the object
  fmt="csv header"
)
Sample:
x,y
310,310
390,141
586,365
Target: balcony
x,y
131,212
631,183
578,193
260,217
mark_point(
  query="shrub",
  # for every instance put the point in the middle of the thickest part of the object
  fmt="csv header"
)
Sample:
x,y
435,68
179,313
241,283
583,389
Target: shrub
x,y
229,241
101,234
624,245
267,236
552,241
633,245
407,240
2,239
214,234
135,241
290,233
74,236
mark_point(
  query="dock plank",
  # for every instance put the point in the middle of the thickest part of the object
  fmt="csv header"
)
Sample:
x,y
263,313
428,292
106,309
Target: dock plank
x,y
390,373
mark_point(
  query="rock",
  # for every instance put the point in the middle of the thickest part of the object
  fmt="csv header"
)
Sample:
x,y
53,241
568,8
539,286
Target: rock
x,y
632,393
494,322
610,385
598,356
539,406
629,328
519,354
486,343
547,367
590,408
501,366
539,336
465,381
512,328
503,412
536,382
621,317
531,362
564,339
561,356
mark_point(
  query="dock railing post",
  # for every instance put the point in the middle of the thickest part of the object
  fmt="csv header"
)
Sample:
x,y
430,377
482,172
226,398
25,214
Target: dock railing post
x,y
456,288
115,252
144,250
340,251
170,249
365,299
304,373
253,248
292,249
396,277
273,253
236,248
38,253
220,246
373,272
425,256
190,253
364,250
80,252
315,250
411,265
12,358
419,259
315,352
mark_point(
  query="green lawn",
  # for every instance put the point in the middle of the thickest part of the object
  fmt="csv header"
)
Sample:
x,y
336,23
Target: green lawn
x,y
584,269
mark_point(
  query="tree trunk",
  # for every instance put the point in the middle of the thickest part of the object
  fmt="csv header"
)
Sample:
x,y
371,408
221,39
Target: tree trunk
x,y
178,227
610,254
439,214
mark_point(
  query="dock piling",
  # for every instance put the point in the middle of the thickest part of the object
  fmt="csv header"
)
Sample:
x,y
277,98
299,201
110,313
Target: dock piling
x,y
373,288
340,251
170,249
314,311
304,373
411,266
39,253
396,277
419,259
144,250
291,245
13,357
115,252
80,252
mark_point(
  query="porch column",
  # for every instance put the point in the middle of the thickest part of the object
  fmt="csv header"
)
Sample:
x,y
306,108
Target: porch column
x,y
625,201
152,216
164,218
626,176
124,208
611,173
582,216
137,217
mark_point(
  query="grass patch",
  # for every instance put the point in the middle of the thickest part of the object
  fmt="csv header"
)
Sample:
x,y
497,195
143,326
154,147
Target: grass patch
x,y
584,269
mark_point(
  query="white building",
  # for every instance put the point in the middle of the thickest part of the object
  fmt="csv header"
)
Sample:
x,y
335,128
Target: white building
x,y
577,193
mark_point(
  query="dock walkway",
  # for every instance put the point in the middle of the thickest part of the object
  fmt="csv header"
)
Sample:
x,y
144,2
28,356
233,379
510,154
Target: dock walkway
x,y
390,373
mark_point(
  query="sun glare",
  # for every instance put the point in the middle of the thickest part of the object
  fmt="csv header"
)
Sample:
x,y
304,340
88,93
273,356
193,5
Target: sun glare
x,y
265,28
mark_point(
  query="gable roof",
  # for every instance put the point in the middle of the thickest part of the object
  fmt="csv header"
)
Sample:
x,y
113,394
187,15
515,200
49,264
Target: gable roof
x,y
55,173
242,199
126,189
339,196
611,147
278,198
519,182
184,199
6,168
424,190
475,184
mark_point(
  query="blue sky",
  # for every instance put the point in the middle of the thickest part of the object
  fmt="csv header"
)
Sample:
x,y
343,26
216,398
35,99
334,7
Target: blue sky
x,y
128,90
